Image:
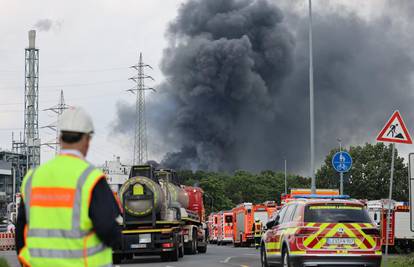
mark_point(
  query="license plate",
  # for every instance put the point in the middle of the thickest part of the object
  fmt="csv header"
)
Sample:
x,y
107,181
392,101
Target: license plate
x,y
340,241
138,245
144,238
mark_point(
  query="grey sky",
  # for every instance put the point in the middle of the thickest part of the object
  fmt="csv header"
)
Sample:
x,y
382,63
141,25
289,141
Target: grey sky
x,y
87,56
88,45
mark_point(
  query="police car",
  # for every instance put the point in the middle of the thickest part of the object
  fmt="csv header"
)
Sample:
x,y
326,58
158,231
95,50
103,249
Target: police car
x,y
321,231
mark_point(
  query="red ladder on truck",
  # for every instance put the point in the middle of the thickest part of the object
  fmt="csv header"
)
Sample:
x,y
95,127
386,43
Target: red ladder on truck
x,y
391,228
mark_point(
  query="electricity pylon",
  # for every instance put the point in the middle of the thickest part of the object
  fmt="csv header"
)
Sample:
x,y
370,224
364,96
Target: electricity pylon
x,y
140,138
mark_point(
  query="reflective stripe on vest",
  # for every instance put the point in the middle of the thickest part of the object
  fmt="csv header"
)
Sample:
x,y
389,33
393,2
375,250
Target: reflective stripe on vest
x,y
75,232
60,253
257,229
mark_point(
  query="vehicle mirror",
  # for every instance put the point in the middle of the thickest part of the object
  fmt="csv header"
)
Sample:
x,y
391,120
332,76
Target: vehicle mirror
x,y
277,219
270,224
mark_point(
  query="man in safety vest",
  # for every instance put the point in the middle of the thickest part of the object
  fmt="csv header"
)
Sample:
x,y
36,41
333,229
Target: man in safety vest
x,y
257,230
67,212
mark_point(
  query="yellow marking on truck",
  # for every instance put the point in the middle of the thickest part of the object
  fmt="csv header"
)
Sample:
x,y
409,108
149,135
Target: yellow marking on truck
x,y
137,189
168,222
169,230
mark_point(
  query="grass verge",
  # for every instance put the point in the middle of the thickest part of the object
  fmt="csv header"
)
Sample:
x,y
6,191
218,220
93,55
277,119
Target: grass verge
x,y
3,263
401,261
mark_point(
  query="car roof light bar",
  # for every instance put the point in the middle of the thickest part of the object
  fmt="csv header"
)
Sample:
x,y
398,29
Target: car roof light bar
x,y
314,196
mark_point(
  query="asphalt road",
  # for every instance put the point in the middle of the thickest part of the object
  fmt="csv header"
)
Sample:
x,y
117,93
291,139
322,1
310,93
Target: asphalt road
x,y
216,256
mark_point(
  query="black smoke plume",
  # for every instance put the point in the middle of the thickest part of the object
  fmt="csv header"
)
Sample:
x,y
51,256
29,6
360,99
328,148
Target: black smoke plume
x,y
236,92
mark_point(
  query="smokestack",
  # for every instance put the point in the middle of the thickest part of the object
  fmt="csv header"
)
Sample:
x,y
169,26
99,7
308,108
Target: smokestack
x,y
32,38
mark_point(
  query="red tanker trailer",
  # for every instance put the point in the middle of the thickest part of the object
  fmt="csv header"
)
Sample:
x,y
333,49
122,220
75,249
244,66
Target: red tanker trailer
x,y
160,216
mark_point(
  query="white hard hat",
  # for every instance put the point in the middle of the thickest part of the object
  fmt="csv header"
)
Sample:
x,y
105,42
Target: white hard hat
x,y
75,119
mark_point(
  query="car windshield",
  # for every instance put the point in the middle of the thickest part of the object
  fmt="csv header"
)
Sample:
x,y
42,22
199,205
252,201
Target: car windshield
x,y
334,213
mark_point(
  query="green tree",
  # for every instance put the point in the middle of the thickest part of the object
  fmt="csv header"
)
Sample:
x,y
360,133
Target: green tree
x,y
370,174
224,191
216,198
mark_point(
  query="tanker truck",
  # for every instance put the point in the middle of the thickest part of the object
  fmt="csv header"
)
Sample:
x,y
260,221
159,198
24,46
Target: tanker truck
x,y
160,216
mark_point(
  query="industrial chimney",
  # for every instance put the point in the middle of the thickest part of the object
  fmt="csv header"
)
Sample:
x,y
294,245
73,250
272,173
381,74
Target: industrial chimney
x,y
31,108
32,38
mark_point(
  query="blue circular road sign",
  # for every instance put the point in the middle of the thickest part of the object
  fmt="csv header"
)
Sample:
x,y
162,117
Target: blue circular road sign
x,y
342,161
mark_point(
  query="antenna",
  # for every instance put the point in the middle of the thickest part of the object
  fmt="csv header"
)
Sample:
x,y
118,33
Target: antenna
x,y
140,140
58,109
31,102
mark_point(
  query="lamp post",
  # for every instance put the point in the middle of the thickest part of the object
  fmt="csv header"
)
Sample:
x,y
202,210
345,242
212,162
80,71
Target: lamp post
x,y
311,105
285,177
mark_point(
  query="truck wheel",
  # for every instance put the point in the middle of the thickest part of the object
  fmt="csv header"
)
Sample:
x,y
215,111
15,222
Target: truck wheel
x,y
202,249
116,258
181,248
175,254
193,245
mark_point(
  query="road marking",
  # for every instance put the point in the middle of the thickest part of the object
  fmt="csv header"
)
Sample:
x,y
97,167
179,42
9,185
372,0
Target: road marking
x,y
250,254
244,265
226,260
169,266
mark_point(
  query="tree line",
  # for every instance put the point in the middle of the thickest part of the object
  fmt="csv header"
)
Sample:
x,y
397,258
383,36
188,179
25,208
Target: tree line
x,y
368,179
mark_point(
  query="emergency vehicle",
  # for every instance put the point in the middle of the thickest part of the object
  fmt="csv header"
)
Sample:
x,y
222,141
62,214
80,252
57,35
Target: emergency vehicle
x,y
285,198
271,207
400,235
321,231
213,228
225,227
244,216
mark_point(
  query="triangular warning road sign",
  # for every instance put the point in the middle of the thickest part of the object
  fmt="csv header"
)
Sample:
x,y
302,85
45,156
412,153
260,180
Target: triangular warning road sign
x,y
395,130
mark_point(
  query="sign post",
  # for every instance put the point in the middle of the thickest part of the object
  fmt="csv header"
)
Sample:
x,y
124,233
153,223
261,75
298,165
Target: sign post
x,y
411,186
393,132
342,162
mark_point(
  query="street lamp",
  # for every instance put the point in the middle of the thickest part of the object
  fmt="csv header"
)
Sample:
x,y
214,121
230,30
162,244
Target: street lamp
x,y
285,177
312,127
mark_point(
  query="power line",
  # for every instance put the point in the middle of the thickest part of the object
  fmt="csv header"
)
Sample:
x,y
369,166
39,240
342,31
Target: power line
x,y
90,97
69,70
64,85
10,129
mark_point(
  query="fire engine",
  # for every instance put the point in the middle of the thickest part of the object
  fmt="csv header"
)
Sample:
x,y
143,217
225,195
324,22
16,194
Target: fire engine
x,y
400,235
213,227
225,227
244,216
